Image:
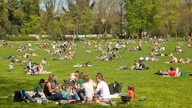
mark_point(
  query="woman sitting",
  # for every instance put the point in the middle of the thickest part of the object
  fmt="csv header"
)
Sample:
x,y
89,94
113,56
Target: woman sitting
x,y
48,90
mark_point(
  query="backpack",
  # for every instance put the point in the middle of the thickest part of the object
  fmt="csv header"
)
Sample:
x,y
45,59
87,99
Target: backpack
x,y
118,87
19,96
111,88
183,73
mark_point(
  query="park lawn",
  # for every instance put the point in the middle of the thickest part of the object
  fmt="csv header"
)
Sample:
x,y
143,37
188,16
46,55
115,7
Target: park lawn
x,y
159,91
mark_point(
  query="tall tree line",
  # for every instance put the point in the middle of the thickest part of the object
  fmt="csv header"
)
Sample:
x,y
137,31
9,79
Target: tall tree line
x,y
82,17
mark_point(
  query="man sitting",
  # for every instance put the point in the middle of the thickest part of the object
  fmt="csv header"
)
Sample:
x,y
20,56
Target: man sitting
x,y
135,65
39,87
141,66
55,82
102,90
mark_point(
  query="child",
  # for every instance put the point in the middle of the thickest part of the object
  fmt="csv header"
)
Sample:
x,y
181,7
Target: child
x,y
11,66
67,93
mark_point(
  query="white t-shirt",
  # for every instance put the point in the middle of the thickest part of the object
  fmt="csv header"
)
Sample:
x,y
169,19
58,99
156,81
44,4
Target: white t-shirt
x,y
103,88
117,45
53,46
88,88
73,77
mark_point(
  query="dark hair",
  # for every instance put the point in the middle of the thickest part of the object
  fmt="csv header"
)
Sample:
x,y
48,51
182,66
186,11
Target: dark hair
x,y
135,61
44,58
42,81
77,72
171,68
140,61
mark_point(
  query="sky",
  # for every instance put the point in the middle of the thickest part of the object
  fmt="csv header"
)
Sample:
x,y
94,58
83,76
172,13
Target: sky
x,y
42,6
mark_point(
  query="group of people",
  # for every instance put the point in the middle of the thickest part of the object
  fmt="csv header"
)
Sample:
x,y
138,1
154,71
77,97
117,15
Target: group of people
x,y
79,90
139,66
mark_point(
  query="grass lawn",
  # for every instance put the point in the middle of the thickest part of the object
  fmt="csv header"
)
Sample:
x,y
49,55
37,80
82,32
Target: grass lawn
x,y
159,91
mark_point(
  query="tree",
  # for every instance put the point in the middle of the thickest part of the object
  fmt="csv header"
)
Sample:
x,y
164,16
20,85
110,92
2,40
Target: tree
x,y
80,12
170,14
142,14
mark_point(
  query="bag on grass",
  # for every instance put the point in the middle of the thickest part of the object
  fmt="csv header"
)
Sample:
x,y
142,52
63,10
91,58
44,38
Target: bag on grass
x,y
19,96
111,89
183,73
118,87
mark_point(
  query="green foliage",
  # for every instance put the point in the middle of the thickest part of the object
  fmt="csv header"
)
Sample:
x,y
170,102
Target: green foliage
x,y
142,14
19,38
33,24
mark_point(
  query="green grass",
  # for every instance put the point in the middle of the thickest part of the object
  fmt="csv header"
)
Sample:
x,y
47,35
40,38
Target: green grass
x,y
159,91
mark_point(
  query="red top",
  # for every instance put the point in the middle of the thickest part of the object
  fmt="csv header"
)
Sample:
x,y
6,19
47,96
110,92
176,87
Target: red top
x,y
172,73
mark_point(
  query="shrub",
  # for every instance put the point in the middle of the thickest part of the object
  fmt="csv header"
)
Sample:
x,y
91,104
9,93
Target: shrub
x,y
19,38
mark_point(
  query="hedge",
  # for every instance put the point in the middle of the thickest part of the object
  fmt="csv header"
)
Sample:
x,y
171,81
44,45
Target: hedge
x,y
18,38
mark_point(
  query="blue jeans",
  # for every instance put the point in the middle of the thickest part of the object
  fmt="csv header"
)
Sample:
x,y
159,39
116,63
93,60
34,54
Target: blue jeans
x,y
98,95
56,97
70,96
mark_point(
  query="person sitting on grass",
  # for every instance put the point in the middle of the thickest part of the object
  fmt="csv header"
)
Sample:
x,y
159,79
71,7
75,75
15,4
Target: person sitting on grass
x,y
135,65
72,76
79,83
41,71
55,82
39,87
174,60
67,93
102,90
141,66
87,87
48,90
44,62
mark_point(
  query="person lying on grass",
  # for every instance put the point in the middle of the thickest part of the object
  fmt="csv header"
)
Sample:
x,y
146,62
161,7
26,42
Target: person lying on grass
x,y
102,90
48,90
171,72
33,54
67,93
16,60
39,87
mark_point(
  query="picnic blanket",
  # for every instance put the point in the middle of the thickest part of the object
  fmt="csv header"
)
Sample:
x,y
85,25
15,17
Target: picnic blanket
x,y
29,73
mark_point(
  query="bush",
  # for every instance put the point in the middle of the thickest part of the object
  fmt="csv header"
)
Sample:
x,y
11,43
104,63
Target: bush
x,y
19,38
45,38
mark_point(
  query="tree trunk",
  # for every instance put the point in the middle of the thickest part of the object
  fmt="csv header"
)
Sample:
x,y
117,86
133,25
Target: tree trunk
x,y
140,35
166,30
106,28
73,35
176,30
191,32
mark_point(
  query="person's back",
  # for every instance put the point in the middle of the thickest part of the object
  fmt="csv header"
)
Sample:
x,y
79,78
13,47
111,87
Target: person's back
x,y
46,90
103,89
172,73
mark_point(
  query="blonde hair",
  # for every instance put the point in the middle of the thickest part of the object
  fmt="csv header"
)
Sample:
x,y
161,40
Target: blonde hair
x,y
81,75
50,79
86,78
